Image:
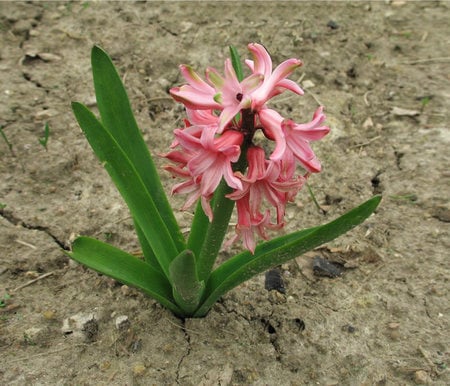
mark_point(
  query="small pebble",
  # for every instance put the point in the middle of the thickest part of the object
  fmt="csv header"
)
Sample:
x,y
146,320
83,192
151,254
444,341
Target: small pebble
x,y
49,57
322,267
421,377
105,366
308,84
274,281
368,123
139,369
49,314
83,326
332,24
122,322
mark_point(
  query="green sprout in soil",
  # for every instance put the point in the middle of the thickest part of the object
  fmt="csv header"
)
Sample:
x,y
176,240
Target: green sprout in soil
x,y
4,300
43,140
5,138
404,197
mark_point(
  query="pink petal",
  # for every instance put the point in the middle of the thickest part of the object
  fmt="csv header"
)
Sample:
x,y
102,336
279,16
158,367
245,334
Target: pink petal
x,y
200,163
290,85
194,79
251,83
262,60
215,78
227,114
210,180
231,179
201,117
194,99
207,207
271,122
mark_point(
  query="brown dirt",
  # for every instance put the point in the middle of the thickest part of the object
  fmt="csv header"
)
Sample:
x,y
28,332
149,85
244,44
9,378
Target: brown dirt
x,y
383,75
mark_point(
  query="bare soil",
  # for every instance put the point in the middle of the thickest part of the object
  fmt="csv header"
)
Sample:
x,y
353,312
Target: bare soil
x,y
382,71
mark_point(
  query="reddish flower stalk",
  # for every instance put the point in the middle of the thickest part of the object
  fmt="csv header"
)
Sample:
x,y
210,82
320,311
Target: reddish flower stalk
x,y
223,116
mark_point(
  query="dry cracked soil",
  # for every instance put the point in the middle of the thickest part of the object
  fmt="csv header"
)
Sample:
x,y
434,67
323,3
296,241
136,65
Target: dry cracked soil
x,y
381,69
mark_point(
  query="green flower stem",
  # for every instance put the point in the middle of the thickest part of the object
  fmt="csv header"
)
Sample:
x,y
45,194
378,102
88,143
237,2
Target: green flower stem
x,y
199,228
213,239
222,209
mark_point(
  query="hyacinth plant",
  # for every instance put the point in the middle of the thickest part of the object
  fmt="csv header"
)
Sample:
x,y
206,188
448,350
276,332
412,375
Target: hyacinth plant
x,y
233,151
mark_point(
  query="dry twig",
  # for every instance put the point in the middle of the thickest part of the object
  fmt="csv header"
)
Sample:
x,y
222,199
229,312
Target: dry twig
x,y
33,281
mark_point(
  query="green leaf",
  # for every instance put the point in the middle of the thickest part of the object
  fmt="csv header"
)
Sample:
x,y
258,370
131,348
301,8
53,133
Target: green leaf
x,y
117,117
187,289
43,140
130,186
125,268
236,62
147,251
277,251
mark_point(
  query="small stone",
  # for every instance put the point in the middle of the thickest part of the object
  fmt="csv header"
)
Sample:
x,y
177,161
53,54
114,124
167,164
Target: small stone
x,y
126,291
49,314
404,112
32,333
276,297
398,3
421,377
274,281
349,328
81,326
49,57
308,84
368,123
105,366
322,267
122,322
332,24
45,114
441,213
139,369
22,26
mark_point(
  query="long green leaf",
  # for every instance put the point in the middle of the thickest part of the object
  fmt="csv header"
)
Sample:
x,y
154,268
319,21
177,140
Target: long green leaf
x,y
125,268
130,186
277,251
118,119
147,251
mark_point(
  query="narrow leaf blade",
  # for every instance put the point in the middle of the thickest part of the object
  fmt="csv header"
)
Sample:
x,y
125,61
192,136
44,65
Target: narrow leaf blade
x,y
125,268
130,186
236,62
118,119
277,251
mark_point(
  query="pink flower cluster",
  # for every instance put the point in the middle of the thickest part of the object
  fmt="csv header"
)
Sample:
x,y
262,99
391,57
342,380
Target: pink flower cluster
x,y
223,115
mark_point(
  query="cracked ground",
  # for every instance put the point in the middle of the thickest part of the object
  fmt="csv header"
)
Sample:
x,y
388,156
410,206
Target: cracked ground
x,y
381,70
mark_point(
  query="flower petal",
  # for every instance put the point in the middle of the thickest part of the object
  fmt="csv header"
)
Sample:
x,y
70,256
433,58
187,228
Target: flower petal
x,y
271,122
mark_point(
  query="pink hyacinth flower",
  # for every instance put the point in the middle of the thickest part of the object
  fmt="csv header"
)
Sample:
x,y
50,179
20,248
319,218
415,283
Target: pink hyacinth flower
x,y
248,224
274,82
298,137
204,161
263,181
294,138
233,95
